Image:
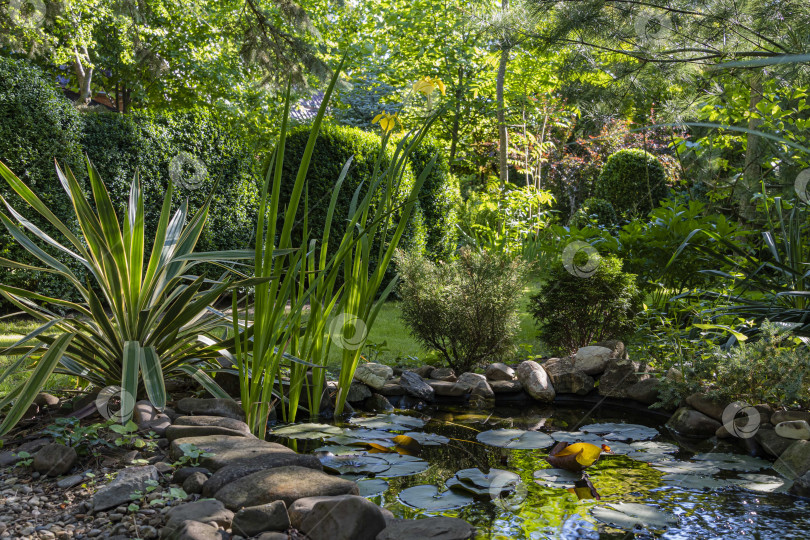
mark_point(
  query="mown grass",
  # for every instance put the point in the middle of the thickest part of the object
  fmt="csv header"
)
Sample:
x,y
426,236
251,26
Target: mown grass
x,y
399,348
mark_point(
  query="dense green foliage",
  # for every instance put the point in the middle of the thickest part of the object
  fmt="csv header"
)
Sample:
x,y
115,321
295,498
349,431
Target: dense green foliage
x,y
336,145
465,309
37,125
633,181
119,145
576,310
594,211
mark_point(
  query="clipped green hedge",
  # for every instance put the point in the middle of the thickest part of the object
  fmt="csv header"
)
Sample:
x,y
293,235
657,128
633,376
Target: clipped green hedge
x,y
37,125
633,181
118,145
335,145
595,210
439,198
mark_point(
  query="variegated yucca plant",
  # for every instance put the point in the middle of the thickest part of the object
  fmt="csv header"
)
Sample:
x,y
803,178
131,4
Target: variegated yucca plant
x,y
142,314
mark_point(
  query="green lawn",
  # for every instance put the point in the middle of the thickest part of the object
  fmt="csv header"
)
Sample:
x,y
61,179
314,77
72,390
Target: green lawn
x,y
400,348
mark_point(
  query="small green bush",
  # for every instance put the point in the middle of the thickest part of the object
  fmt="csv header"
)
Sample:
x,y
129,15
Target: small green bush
x,y
37,125
633,181
594,211
573,311
465,309
336,144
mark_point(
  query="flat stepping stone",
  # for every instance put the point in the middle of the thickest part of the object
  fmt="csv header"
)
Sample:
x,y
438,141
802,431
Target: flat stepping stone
x,y
284,483
205,511
219,421
226,449
211,407
243,467
437,528
181,432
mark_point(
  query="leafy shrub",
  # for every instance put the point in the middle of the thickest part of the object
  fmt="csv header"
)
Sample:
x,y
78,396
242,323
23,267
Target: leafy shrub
x,y
466,309
336,144
573,311
439,199
648,245
37,125
633,181
119,145
594,211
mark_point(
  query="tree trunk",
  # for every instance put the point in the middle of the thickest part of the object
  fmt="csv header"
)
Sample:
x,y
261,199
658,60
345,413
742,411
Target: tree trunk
x,y
502,134
457,114
85,78
753,154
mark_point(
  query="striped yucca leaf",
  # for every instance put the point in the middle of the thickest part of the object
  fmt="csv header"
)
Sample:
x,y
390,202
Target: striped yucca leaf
x,y
139,318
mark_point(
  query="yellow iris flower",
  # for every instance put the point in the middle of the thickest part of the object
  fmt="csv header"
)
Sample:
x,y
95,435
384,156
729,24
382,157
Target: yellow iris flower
x,y
427,86
387,121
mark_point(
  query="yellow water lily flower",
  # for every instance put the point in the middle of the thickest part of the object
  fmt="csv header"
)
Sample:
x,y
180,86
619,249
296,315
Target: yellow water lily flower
x,y
387,121
427,86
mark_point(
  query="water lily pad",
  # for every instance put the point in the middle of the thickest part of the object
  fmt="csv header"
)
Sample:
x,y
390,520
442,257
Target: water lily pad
x,y
693,481
362,464
634,517
337,449
621,432
306,431
764,483
389,422
576,436
428,439
429,498
362,437
652,451
515,439
371,487
556,478
733,462
494,483
686,467
402,465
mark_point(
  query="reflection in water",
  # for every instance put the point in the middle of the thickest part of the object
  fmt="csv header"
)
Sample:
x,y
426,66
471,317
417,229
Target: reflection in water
x,y
535,511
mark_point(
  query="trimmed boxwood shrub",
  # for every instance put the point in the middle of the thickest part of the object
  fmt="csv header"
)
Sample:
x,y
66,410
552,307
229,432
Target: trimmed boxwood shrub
x,y
335,145
439,198
633,181
37,125
573,311
118,145
593,209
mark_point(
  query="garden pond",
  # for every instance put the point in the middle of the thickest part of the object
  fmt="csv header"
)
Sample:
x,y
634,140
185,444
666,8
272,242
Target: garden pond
x,y
489,469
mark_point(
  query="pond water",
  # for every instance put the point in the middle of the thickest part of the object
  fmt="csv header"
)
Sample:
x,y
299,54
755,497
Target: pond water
x,y
690,494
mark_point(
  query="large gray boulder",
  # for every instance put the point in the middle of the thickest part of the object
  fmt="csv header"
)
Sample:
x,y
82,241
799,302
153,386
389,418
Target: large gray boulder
x,y
787,416
499,372
239,468
708,406
287,484
794,461
358,392
442,374
535,381
645,391
619,376
204,511
182,432
416,386
346,517
566,378
127,482
506,387
211,407
688,422
793,429
447,388
218,421
592,360
55,459
476,385
254,520
149,418
772,443
373,375
436,528
225,449
193,530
